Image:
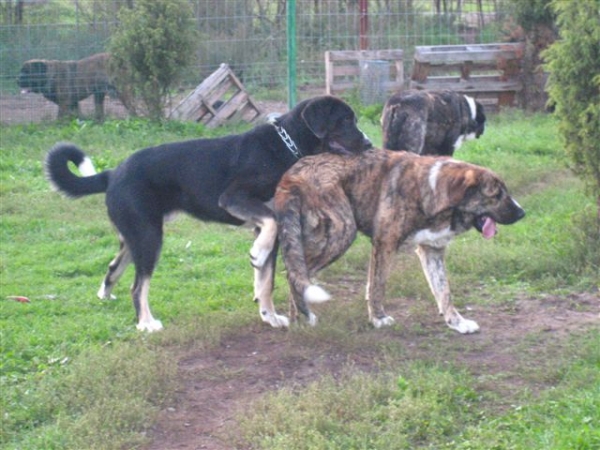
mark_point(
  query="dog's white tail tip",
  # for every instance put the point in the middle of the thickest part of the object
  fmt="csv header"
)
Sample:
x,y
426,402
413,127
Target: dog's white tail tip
x,y
86,168
316,294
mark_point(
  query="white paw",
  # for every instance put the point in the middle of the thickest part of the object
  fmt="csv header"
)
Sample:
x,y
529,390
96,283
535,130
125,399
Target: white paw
x,y
275,320
150,325
312,320
259,255
383,322
315,294
465,326
102,295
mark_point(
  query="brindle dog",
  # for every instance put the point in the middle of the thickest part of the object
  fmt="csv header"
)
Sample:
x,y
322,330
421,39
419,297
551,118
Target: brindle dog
x,y
393,198
431,122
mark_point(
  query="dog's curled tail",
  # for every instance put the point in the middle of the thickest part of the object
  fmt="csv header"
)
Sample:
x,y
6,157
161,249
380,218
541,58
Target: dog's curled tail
x,y
65,181
289,224
392,122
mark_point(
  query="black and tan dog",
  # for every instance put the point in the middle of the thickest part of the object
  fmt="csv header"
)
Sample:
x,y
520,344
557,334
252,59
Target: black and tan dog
x,y
66,83
431,122
227,180
394,198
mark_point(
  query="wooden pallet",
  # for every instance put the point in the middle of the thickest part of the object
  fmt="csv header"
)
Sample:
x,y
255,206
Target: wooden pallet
x,y
343,71
488,72
221,97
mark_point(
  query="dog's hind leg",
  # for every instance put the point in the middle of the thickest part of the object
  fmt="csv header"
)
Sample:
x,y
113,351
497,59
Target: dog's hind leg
x,y
263,292
141,231
115,269
139,293
99,106
432,261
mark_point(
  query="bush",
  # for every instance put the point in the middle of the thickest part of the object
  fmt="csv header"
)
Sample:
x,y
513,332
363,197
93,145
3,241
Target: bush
x,y
152,46
574,85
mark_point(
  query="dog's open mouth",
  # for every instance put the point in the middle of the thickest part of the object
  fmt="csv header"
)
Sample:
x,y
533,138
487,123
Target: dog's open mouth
x,y
486,226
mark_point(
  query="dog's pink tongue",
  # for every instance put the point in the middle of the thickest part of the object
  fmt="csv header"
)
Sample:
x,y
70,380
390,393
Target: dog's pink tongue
x,y
489,228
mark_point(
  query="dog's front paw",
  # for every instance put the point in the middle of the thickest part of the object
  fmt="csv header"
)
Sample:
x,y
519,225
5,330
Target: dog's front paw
x,y
312,320
383,322
150,325
103,294
464,326
275,320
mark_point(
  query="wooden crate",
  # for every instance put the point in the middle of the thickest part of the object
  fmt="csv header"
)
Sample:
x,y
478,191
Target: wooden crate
x,y
221,97
488,72
342,69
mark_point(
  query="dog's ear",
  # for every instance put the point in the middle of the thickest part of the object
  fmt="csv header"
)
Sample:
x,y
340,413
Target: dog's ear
x,y
318,115
451,185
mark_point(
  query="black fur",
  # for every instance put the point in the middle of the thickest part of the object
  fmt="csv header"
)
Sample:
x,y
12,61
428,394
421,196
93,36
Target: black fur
x,y
429,122
225,180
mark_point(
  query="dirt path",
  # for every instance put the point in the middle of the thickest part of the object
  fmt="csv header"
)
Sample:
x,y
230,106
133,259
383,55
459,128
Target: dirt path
x,y
216,385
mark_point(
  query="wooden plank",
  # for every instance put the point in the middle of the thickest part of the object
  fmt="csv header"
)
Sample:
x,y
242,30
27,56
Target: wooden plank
x,y
357,55
228,109
479,53
221,86
346,71
342,68
462,86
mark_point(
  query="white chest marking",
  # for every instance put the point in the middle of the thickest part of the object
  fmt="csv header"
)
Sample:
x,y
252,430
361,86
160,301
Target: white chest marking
x,y
462,138
472,106
438,238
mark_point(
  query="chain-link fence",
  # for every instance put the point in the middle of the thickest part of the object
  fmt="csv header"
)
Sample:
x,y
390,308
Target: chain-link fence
x,y
249,35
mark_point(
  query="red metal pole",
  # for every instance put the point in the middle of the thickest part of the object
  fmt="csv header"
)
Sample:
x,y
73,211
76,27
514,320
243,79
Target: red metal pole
x,y
364,24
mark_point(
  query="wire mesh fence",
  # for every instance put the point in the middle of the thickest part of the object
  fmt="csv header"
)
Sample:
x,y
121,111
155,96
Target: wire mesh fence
x,y
248,35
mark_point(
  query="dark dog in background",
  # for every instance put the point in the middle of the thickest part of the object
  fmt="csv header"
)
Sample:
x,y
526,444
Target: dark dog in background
x,y
228,180
430,122
66,83
393,198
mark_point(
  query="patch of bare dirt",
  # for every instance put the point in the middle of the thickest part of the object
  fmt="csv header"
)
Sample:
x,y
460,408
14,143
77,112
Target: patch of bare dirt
x,y
34,108
215,386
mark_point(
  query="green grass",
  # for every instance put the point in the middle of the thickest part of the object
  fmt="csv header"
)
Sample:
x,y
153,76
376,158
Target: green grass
x,y
75,374
424,406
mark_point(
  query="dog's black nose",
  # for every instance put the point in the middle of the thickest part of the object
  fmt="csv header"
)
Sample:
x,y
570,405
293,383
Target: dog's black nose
x,y
517,212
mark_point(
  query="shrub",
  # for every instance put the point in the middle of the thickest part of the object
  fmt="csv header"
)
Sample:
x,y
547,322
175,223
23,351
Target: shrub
x,y
151,47
574,85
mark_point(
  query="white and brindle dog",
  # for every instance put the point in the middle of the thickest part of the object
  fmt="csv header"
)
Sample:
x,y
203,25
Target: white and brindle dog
x,y
393,198
431,122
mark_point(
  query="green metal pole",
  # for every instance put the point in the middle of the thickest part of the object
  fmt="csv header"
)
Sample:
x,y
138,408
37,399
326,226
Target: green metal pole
x,y
291,47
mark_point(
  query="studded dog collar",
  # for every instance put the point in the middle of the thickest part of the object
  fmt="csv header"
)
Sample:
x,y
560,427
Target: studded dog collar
x,y
285,137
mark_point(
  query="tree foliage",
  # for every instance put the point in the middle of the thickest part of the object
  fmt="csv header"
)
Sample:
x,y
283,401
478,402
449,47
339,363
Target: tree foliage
x,y
532,13
574,84
152,45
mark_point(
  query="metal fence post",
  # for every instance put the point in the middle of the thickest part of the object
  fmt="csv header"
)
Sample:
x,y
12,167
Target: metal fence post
x,y
291,53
